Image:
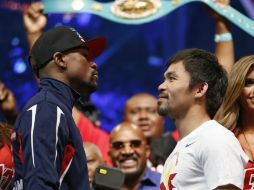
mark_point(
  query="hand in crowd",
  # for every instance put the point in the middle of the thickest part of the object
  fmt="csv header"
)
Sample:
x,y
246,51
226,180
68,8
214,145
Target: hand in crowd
x,y
34,20
222,3
224,49
7,103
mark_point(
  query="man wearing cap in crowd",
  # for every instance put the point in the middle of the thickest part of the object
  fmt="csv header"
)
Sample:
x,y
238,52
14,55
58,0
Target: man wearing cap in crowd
x,y
47,147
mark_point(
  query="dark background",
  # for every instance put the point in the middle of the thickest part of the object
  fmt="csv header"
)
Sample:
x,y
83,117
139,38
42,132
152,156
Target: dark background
x,y
135,57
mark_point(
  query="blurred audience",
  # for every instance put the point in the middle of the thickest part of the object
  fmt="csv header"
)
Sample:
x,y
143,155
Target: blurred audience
x,y
8,109
8,104
130,151
34,23
6,162
141,109
93,159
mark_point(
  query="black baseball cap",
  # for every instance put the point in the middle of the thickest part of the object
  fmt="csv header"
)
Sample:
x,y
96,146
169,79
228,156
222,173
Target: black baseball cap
x,y
61,39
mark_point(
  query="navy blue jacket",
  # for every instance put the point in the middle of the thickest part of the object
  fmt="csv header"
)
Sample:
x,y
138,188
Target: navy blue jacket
x,y
47,147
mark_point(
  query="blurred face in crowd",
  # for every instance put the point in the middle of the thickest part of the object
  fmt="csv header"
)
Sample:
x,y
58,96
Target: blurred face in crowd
x,y
93,159
141,110
247,96
129,150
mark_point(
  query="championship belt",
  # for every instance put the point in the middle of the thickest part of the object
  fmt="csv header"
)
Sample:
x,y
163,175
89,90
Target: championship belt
x,y
136,12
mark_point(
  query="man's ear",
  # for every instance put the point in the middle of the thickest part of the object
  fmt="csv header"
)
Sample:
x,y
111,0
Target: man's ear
x,y
201,90
58,58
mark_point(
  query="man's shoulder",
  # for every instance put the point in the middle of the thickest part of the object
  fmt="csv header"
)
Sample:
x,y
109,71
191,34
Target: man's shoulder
x,y
43,98
216,137
212,129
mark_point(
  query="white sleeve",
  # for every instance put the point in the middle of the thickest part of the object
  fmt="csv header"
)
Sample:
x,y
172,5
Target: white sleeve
x,y
223,161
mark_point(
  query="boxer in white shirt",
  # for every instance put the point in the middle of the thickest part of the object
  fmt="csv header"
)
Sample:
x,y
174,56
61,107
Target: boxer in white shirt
x,y
207,156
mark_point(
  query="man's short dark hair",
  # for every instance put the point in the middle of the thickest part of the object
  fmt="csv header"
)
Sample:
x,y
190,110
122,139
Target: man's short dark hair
x,y
204,67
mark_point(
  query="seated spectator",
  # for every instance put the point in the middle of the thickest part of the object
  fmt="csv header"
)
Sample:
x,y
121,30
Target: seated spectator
x,y
93,159
129,151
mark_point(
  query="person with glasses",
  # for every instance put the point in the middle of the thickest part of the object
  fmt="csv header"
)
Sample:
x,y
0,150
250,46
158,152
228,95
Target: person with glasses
x,y
130,151
47,146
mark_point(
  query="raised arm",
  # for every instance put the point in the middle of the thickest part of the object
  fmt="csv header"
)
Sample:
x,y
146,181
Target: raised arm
x,y
224,47
34,22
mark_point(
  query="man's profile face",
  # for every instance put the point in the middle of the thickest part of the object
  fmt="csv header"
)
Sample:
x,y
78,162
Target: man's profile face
x,y
175,97
129,150
142,111
81,71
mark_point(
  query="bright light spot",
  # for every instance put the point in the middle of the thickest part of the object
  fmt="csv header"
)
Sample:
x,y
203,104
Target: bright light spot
x,y
58,24
19,66
67,18
77,4
83,19
154,61
16,52
15,41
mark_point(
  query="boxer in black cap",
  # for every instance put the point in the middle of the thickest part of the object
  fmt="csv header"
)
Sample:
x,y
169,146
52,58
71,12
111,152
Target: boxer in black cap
x,y
48,151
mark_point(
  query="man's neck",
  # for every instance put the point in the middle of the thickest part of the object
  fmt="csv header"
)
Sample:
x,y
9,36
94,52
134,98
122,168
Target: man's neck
x,y
192,120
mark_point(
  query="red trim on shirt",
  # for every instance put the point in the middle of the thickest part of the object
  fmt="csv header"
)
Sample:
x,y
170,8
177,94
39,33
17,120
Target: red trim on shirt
x,y
175,135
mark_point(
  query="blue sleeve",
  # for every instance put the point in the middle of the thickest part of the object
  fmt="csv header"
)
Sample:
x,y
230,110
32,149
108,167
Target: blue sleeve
x,y
44,135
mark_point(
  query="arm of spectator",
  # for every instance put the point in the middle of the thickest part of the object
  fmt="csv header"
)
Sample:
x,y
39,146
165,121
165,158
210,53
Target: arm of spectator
x,y
8,104
224,50
34,22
